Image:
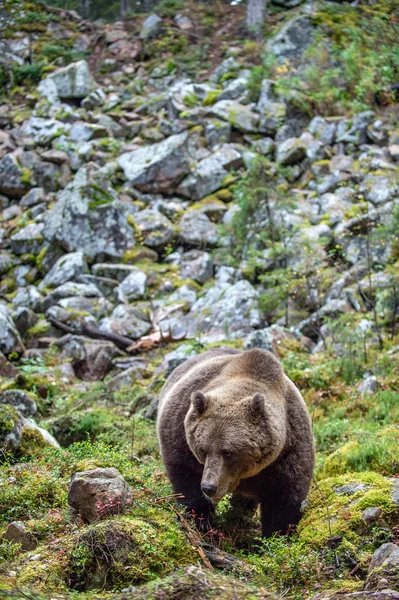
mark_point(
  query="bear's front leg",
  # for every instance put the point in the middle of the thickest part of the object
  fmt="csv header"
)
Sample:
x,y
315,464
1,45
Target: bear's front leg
x,y
186,483
279,515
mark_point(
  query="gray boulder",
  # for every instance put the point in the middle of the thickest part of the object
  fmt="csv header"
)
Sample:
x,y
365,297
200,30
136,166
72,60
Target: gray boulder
x,y
159,167
384,566
87,215
20,400
28,240
150,27
293,39
10,340
210,173
99,493
224,312
126,320
69,290
17,533
133,287
73,81
239,115
197,230
156,229
13,181
291,152
43,131
67,268
196,265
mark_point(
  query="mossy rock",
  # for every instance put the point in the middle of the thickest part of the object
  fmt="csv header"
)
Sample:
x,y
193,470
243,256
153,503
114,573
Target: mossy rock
x,y
336,504
128,550
195,582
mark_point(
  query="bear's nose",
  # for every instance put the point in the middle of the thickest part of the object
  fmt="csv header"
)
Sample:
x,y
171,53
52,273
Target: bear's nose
x,y
208,489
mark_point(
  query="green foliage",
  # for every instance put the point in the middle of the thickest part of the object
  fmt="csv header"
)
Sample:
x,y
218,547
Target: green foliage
x,y
28,74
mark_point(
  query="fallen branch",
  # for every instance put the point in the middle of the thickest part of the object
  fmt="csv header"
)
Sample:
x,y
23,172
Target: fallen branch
x,y
121,341
193,537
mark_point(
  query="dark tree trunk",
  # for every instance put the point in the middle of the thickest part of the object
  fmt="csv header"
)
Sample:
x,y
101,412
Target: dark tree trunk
x,y
255,18
125,7
84,8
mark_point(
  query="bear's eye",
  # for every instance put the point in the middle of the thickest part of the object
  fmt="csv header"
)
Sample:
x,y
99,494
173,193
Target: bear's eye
x,y
227,454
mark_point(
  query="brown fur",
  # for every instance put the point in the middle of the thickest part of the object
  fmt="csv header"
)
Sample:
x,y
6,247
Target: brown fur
x,y
231,421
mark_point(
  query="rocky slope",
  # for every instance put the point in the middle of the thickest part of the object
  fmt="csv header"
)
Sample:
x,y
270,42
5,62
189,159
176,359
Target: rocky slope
x,y
167,186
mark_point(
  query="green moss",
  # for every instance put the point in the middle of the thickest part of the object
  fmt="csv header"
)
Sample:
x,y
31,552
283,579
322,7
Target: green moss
x,y
8,419
211,98
332,514
32,442
128,550
370,451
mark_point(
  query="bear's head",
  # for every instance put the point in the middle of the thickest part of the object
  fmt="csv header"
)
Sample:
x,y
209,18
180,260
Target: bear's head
x,y
234,440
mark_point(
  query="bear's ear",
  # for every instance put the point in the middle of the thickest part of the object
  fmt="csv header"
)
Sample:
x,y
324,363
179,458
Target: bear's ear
x,y
199,402
256,406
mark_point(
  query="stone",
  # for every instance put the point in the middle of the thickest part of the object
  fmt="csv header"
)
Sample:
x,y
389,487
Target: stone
x,y
28,297
96,98
87,215
73,81
24,319
17,533
28,240
183,22
350,488
384,564
290,152
91,360
216,132
293,39
229,65
262,338
322,130
13,181
98,493
20,400
159,167
116,272
67,268
368,386
211,173
97,307
196,265
128,321
394,152
7,369
10,340
33,197
379,189
85,132
197,230
70,289
150,27
156,229
175,358
239,115
43,131
224,312
133,287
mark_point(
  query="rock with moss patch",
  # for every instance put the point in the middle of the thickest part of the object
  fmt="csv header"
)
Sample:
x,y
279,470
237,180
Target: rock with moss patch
x,y
99,493
239,115
211,173
126,320
21,400
156,229
67,268
196,229
10,340
384,566
88,215
72,82
290,152
14,181
28,240
160,167
18,534
196,265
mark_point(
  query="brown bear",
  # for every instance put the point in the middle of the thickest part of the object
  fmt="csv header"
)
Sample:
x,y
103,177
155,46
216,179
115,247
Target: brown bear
x,y
232,421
